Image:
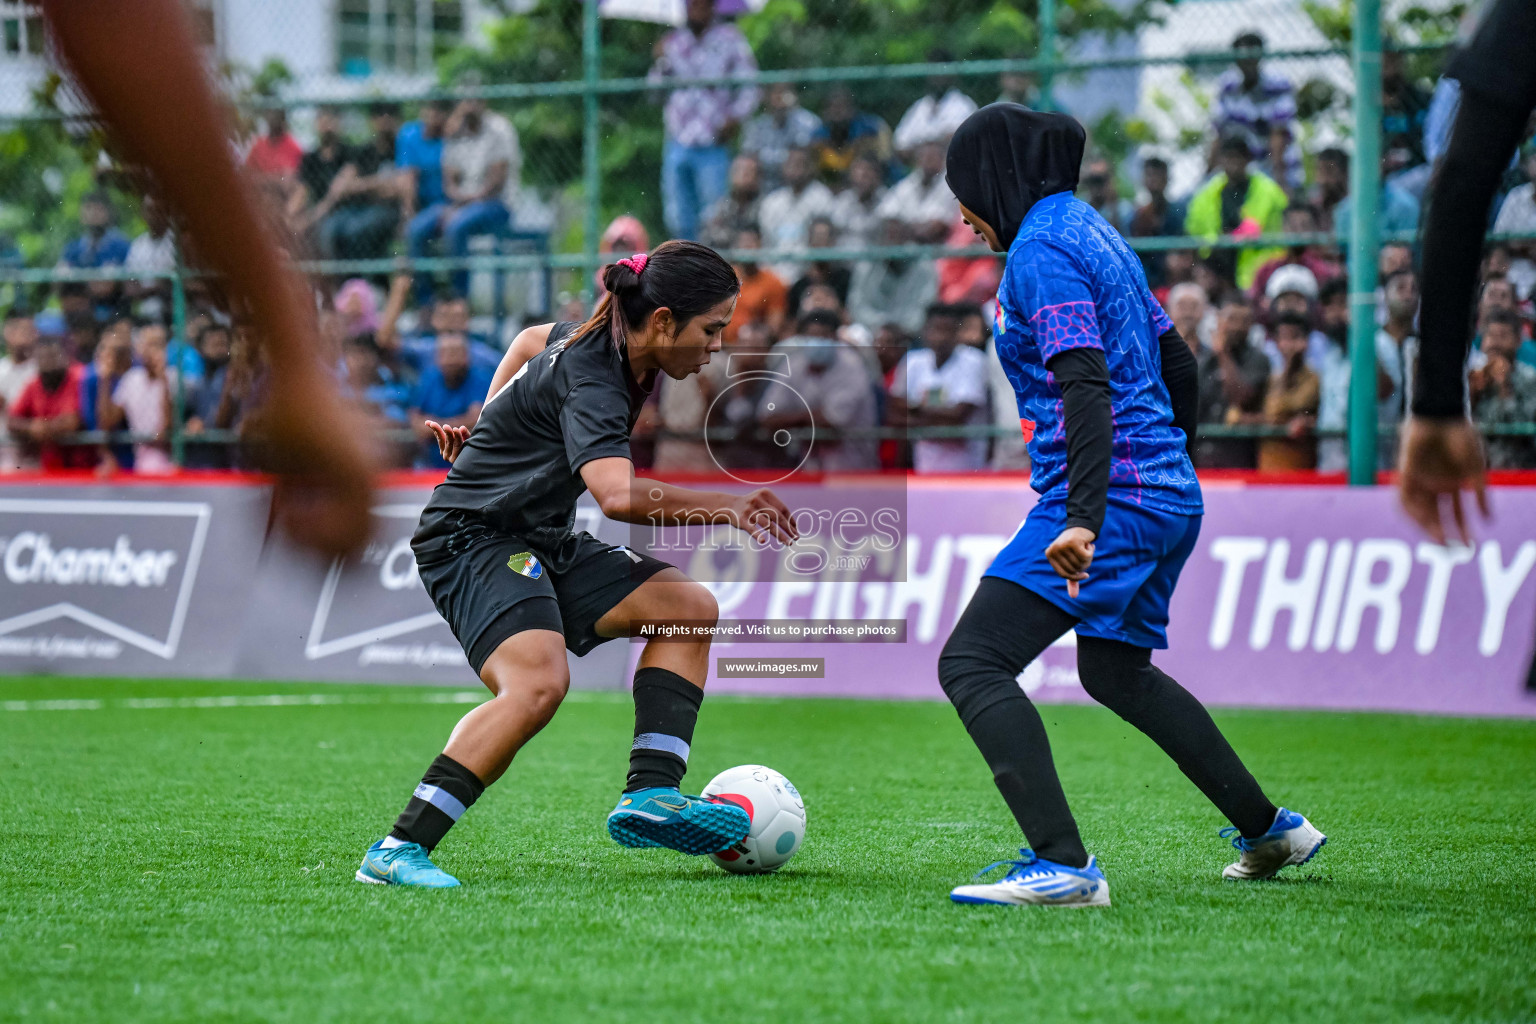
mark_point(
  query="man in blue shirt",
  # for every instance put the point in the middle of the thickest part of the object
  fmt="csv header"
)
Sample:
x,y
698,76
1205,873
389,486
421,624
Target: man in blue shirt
x,y
451,392
419,149
1106,393
449,314
409,355
203,401
113,358
102,245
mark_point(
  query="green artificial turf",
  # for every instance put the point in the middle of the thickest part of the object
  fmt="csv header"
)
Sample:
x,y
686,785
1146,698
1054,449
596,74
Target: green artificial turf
x,y
188,863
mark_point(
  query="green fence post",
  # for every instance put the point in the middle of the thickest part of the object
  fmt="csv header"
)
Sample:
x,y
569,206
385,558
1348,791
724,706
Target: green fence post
x,y
179,333
591,59
1047,53
1365,193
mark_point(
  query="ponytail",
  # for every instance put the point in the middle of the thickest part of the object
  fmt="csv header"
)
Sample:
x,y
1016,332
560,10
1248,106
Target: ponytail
x,y
685,277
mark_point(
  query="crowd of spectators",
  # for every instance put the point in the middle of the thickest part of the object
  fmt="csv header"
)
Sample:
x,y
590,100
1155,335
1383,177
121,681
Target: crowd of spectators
x,y
1269,326
98,357
866,350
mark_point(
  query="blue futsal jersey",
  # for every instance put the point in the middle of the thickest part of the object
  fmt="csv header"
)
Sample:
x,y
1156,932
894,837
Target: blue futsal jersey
x,y
1072,282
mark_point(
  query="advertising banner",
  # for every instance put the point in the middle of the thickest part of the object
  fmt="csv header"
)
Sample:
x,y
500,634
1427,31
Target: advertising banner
x,y
154,581
1316,597
370,620
114,581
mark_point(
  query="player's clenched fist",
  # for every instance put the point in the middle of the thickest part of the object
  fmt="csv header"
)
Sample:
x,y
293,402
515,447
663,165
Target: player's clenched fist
x,y
1070,554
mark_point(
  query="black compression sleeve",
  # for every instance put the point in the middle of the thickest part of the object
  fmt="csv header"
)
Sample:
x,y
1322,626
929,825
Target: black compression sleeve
x,y
1482,140
1083,377
1181,375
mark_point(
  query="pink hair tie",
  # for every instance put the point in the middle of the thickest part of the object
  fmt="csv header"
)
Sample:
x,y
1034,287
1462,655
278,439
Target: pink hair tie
x,y
636,262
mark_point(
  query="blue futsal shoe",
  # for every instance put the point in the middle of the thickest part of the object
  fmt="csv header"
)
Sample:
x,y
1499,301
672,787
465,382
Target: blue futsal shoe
x,y
1292,839
406,864
1031,880
687,824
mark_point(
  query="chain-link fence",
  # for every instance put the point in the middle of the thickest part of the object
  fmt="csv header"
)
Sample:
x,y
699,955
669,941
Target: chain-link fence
x,y
599,160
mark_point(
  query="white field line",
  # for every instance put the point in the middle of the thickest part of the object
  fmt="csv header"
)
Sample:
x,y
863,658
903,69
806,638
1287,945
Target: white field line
x,y
271,700
289,700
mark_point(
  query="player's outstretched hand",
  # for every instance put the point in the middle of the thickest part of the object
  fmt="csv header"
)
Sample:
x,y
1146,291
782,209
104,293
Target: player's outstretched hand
x,y
450,439
762,515
1440,459
1070,554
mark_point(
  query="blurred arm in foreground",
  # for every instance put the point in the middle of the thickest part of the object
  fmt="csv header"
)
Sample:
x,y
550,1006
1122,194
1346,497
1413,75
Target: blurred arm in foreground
x,y
162,112
1442,452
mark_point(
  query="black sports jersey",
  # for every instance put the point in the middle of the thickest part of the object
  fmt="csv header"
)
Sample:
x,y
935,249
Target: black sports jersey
x,y
520,471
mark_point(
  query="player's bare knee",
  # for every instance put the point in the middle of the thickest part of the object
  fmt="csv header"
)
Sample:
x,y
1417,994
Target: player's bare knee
x,y
698,606
537,679
545,693
537,688
547,681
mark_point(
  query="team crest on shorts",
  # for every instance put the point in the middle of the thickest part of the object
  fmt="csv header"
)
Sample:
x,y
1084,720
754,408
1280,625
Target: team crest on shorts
x,y
525,563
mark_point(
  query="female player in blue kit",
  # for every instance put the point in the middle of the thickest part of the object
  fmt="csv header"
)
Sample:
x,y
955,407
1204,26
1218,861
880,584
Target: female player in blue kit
x,y
1106,391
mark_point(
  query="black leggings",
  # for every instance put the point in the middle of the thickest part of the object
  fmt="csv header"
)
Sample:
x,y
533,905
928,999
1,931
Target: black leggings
x,y
1003,629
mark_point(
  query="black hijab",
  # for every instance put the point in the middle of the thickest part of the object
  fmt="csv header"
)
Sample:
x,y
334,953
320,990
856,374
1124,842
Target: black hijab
x,y
1005,158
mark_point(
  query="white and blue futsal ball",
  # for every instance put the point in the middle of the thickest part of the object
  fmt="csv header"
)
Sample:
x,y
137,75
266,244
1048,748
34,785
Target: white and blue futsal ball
x,y
777,812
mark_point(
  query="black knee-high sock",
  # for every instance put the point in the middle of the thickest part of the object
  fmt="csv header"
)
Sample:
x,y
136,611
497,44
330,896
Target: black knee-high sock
x,y
1123,679
447,790
666,708
1003,629
1011,736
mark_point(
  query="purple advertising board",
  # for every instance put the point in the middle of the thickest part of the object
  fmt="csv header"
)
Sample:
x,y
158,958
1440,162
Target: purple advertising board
x,y
1296,596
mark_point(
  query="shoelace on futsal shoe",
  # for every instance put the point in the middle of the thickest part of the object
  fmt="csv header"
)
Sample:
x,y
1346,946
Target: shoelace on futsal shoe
x,y
410,853
1238,842
1029,865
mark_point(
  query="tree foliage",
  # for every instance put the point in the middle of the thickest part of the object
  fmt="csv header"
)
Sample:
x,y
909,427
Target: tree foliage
x,y
46,166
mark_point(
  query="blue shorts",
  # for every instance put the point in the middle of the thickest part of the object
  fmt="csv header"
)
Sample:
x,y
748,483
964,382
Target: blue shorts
x,y
1136,563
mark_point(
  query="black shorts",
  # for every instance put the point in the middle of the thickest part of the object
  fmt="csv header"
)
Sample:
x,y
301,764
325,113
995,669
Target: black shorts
x,y
489,586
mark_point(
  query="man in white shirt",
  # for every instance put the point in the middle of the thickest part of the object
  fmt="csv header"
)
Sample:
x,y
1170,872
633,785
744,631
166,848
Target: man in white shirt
x,y
829,389
892,291
1517,215
922,200
784,126
1397,346
786,214
1010,450
855,210
482,158
942,385
1518,211
482,168
153,252
935,116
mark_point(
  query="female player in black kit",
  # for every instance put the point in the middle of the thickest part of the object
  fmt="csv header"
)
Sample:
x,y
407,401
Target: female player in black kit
x,y
496,551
